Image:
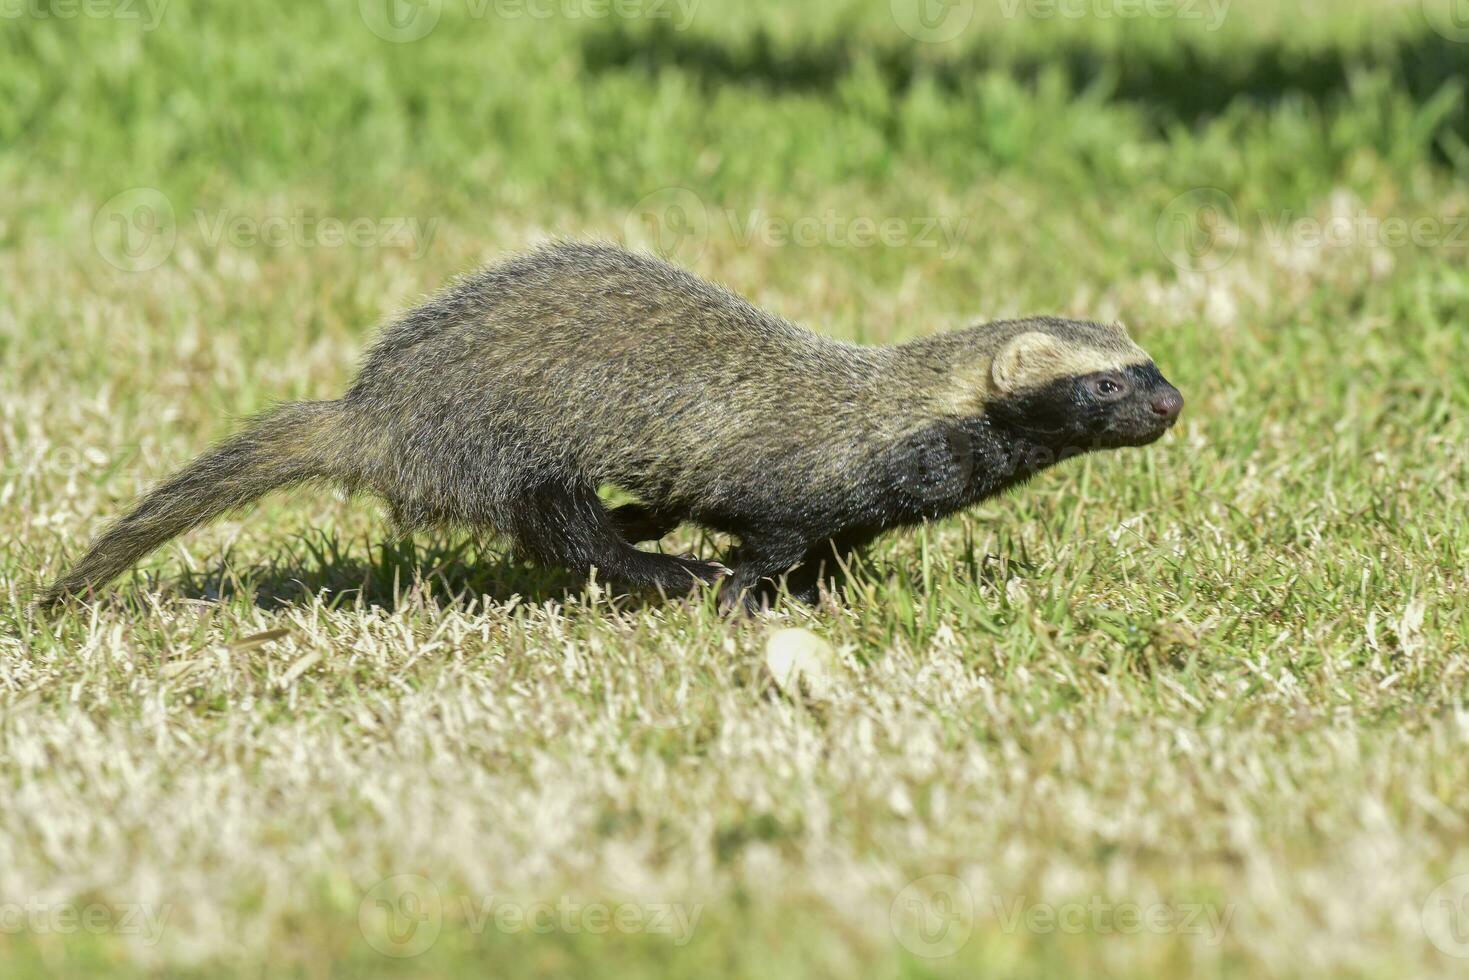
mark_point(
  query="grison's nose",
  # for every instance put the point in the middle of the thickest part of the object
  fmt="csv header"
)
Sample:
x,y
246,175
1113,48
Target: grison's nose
x,y
1168,404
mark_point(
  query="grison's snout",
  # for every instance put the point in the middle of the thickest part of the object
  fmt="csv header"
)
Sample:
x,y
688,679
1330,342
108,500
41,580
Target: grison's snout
x,y
1167,404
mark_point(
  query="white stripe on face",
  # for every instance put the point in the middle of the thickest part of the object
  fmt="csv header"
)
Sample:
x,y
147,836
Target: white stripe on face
x,y
1034,358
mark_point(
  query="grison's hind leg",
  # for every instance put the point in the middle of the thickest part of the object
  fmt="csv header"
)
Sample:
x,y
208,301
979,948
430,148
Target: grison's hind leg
x,y
824,567
569,526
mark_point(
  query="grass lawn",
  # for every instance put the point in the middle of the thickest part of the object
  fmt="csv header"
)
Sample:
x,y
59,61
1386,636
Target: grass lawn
x,y
1194,710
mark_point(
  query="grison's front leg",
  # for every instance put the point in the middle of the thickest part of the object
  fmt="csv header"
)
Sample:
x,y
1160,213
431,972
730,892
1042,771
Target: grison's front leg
x,y
569,526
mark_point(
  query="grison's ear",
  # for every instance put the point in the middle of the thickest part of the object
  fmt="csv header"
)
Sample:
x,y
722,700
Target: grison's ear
x,y
1028,359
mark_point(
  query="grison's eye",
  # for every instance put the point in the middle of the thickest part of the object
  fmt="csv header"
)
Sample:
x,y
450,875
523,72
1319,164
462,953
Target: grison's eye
x,y
1109,388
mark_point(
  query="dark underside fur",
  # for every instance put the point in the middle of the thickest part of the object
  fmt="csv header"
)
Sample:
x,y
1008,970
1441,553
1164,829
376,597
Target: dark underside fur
x,y
509,400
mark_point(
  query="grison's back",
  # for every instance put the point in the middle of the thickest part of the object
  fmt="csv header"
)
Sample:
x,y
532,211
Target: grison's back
x,y
612,363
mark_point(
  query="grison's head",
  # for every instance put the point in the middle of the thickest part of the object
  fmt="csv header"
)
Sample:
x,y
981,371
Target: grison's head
x,y
1077,385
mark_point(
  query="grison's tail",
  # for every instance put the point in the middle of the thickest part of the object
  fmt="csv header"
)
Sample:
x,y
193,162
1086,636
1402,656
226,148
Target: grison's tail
x,y
293,443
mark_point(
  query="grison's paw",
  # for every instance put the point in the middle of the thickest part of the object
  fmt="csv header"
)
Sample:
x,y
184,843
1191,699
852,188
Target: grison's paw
x,y
708,572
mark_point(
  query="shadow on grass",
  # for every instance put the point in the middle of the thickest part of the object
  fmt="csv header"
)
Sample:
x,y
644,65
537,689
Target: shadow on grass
x,y
1186,81
390,575
407,572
